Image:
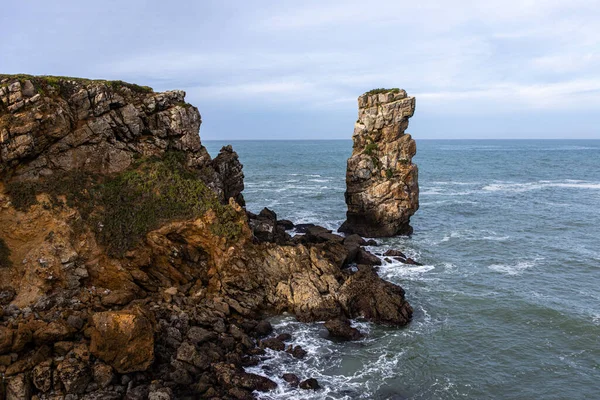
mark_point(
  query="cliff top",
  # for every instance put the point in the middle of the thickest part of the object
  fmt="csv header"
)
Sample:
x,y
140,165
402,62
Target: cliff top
x,y
380,96
58,81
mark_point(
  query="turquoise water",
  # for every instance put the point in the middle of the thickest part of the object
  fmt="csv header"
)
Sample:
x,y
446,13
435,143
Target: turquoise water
x,y
507,302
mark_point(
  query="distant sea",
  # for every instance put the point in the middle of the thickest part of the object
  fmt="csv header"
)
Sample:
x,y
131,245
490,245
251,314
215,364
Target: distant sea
x,y
507,303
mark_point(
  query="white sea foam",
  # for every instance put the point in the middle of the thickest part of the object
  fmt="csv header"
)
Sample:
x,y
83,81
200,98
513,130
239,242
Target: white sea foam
x,y
333,364
475,235
513,269
524,187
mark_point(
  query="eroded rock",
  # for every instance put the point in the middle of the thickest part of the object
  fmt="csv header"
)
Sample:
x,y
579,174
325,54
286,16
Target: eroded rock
x,y
382,191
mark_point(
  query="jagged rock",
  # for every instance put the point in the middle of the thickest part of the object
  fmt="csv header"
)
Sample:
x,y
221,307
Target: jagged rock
x,y
18,387
103,374
42,376
366,296
364,257
382,191
286,224
394,253
123,339
229,169
229,376
340,328
74,375
266,227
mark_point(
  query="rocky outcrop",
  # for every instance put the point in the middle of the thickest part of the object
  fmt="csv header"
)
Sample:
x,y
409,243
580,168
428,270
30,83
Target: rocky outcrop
x,y
129,268
50,125
382,191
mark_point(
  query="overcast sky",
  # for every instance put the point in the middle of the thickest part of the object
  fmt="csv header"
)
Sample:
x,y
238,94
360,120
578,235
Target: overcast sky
x,y
278,69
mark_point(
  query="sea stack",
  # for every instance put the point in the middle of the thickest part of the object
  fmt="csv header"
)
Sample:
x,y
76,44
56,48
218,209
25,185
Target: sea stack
x,y
382,190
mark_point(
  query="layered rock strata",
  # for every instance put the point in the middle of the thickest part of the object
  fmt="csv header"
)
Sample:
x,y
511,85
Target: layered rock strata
x,y
129,269
382,190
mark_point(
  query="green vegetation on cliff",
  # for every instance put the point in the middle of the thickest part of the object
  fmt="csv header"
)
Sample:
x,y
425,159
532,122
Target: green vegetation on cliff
x,y
44,82
122,209
4,255
382,90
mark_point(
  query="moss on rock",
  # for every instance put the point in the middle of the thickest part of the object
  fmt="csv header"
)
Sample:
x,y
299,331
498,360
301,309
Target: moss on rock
x,y
123,208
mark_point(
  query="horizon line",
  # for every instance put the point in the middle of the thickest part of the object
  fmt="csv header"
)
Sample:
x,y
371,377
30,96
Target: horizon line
x,y
416,139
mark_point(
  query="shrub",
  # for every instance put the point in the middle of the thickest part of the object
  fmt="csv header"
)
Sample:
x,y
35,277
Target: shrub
x,y
122,209
382,90
370,148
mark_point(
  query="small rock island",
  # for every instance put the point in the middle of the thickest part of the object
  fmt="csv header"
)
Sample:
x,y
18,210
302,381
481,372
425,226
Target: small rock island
x,y
382,190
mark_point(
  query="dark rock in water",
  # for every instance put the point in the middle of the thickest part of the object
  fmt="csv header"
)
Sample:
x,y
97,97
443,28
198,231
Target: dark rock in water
x,y
265,213
372,242
394,253
354,238
273,343
310,384
340,328
301,228
292,379
286,224
366,258
382,302
263,328
297,351
318,234
284,337
411,262
229,377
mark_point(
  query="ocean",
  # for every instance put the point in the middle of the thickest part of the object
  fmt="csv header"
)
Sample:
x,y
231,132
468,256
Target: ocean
x,y
507,303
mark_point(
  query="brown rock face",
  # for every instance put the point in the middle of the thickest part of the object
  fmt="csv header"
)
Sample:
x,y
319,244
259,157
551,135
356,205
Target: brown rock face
x,y
382,191
123,339
50,125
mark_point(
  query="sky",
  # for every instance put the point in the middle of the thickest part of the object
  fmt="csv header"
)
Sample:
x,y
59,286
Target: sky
x,y
280,69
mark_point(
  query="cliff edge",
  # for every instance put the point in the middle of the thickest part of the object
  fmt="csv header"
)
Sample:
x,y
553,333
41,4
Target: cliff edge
x,y
382,190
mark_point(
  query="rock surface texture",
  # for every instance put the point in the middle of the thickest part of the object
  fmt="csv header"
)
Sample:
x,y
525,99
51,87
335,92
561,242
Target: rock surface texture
x,y
128,267
382,190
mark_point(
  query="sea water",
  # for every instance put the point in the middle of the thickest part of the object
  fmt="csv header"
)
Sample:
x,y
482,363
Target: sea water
x,y
507,303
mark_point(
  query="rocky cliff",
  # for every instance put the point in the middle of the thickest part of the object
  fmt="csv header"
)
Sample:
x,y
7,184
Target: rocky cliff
x,y
382,190
128,267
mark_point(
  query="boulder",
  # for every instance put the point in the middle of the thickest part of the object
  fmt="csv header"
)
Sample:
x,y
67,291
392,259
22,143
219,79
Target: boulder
x,y
340,328
310,384
123,339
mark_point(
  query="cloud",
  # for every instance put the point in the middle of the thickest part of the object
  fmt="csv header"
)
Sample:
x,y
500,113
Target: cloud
x,y
467,57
